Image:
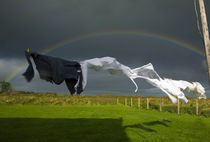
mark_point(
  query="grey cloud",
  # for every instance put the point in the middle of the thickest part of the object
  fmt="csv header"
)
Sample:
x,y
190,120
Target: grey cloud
x,y
40,24
8,66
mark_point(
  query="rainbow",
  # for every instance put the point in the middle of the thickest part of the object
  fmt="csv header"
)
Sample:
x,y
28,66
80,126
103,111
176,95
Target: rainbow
x,y
63,43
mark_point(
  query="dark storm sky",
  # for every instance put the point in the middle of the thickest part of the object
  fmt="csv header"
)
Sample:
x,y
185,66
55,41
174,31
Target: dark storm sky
x,y
39,24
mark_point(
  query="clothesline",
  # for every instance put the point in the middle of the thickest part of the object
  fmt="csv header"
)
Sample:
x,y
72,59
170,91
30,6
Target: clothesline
x,y
75,74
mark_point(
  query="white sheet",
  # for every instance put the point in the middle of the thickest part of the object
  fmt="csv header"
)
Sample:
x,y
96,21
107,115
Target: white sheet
x,y
170,87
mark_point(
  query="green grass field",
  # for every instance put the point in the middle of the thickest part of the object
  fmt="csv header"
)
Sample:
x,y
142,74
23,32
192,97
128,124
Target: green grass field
x,y
98,123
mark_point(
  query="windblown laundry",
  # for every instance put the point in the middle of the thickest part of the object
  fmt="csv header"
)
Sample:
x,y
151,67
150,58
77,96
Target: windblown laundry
x,y
56,70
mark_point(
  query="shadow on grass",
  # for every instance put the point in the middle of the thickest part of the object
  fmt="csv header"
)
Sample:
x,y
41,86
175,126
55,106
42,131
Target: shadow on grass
x,y
140,126
151,123
62,130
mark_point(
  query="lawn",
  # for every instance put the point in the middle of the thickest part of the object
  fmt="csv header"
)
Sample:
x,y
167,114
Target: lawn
x,y
98,123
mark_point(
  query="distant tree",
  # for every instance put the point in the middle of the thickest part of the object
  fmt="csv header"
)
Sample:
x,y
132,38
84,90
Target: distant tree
x,y
5,86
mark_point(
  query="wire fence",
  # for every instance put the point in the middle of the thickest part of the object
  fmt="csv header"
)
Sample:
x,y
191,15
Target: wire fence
x,y
162,104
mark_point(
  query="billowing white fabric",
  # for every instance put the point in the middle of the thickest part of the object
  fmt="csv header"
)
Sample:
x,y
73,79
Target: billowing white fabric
x,y
106,63
146,72
194,87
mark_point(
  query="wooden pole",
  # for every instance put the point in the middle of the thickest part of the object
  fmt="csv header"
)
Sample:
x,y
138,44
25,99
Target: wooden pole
x,y
196,106
139,102
126,102
178,107
207,103
205,33
161,102
131,102
117,100
147,103
89,102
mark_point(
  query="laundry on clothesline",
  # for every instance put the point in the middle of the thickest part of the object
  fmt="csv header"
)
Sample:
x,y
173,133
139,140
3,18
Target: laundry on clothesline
x,y
75,74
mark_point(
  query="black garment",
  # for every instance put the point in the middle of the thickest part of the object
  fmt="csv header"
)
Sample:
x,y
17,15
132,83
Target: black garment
x,y
55,70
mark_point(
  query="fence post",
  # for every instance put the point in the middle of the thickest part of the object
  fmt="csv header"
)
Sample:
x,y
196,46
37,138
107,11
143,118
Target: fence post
x,y
178,106
206,104
125,101
147,103
117,100
161,102
139,102
131,102
196,106
89,102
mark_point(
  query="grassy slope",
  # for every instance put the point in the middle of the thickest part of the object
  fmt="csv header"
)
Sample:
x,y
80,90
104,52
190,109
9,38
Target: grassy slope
x,y
98,123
